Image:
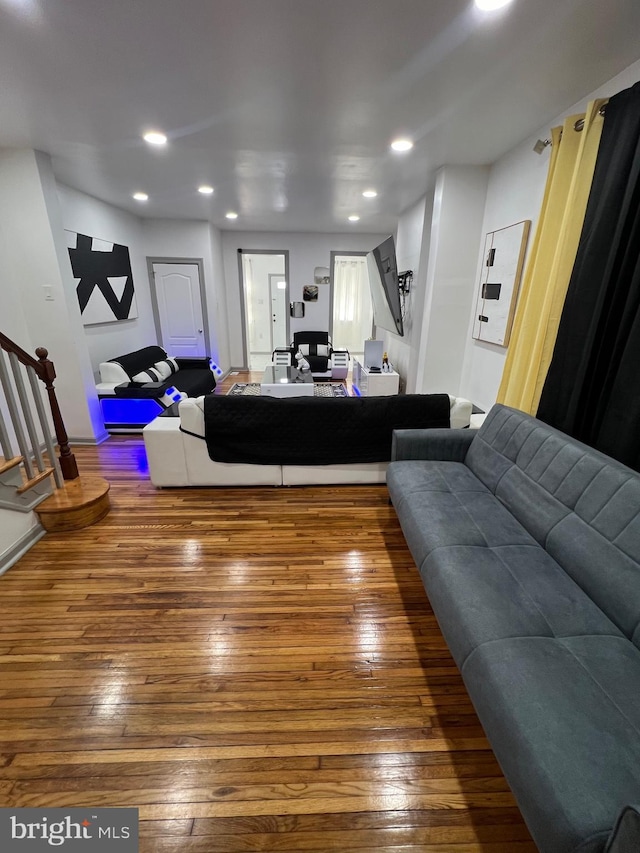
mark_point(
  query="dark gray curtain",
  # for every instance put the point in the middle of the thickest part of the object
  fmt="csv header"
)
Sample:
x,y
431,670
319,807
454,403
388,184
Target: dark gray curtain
x,y
592,390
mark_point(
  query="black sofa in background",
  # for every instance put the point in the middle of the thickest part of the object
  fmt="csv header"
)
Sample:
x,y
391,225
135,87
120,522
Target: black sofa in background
x,y
136,387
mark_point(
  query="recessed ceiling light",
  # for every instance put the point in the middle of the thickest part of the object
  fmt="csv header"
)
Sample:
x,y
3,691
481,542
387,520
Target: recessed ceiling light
x,y
402,145
369,193
490,5
354,218
205,190
231,215
141,197
154,137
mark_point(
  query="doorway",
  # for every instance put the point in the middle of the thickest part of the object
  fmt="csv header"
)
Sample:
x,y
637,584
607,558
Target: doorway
x,y
179,306
264,288
352,310
278,292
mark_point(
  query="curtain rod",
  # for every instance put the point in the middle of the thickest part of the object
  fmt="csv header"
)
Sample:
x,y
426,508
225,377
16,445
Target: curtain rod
x,y
579,125
541,144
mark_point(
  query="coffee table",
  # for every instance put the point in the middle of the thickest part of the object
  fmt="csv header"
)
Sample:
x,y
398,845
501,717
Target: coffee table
x,y
286,382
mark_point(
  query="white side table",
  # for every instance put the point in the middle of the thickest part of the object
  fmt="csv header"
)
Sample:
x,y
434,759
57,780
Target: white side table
x,y
374,384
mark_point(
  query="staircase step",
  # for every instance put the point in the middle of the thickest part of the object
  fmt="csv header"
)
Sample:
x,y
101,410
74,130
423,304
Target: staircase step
x,y
29,484
80,503
8,464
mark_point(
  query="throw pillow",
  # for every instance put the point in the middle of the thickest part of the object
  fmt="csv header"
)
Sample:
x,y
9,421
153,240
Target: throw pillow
x,y
163,369
314,349
148,375
166,367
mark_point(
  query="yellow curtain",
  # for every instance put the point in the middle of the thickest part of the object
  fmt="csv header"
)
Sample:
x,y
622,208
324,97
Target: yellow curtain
x,y
548,269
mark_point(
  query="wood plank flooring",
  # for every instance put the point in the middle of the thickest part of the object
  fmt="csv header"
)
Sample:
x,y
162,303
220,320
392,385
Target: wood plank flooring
x,y
254,669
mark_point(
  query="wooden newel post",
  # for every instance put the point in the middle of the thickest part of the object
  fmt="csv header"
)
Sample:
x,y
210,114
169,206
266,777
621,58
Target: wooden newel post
x,y
66,458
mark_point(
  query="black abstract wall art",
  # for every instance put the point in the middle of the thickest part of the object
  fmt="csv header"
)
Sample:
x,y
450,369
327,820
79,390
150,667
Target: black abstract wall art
x,y
104,283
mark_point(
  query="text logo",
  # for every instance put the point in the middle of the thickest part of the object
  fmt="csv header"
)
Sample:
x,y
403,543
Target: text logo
x,y
35,830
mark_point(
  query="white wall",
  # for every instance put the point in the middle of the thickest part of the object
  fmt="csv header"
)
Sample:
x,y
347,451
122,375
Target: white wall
x,y
458,206
148,238
12,319
409,240
86,215
514,194
17,530
515,191
306,252
170,238
35,257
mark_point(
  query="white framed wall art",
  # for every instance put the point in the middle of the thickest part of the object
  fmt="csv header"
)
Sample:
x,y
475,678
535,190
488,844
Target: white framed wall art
x,y
103,277
497,293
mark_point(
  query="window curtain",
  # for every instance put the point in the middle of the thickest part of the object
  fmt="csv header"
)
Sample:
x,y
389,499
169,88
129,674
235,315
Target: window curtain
x,y
548,270
592,389
352,310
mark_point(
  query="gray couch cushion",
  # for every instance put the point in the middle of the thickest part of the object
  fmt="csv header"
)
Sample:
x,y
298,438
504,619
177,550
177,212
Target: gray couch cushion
x,y
579,504
452,508
564,718
406,478
482,594
610,578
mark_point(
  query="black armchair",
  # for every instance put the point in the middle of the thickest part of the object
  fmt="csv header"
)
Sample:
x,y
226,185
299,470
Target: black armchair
x,y
316,347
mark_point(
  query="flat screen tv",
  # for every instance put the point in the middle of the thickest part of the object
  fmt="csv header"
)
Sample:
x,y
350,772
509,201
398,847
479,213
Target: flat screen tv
x,y
385,291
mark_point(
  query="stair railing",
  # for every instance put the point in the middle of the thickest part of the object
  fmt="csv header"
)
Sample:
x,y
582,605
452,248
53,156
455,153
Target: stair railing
x,y
21,414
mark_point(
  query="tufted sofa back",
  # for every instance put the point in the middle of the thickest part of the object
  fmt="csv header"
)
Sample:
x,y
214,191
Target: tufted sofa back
x,y
580,505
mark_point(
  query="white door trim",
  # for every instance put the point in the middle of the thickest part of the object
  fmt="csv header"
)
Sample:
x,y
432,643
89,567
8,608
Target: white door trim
x,y
243,307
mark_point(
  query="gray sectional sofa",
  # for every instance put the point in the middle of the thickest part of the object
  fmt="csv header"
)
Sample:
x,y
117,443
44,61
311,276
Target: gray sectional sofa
x,y
528,545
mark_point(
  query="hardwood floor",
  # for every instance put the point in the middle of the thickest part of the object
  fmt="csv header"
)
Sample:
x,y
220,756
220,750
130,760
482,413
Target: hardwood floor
x,y
255,669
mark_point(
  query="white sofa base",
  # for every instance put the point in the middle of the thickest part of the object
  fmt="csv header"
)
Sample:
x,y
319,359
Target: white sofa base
x,y
327,475
178,458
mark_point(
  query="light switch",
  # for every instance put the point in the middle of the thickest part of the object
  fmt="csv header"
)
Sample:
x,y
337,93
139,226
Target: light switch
x,y
48,293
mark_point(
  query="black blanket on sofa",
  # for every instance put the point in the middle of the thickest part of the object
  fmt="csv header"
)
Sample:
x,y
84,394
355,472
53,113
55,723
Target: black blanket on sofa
x,y
314,430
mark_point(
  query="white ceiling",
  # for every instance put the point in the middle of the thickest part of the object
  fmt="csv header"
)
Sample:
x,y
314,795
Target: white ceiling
x,y
287,107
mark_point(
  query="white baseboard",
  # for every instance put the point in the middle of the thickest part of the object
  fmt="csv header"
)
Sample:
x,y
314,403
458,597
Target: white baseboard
x,y
20,548
89,441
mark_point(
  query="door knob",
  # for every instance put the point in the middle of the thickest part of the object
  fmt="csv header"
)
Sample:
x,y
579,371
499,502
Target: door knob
x,y
199,331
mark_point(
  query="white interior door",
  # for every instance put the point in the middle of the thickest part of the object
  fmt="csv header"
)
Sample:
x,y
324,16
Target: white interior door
x,y
180,308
